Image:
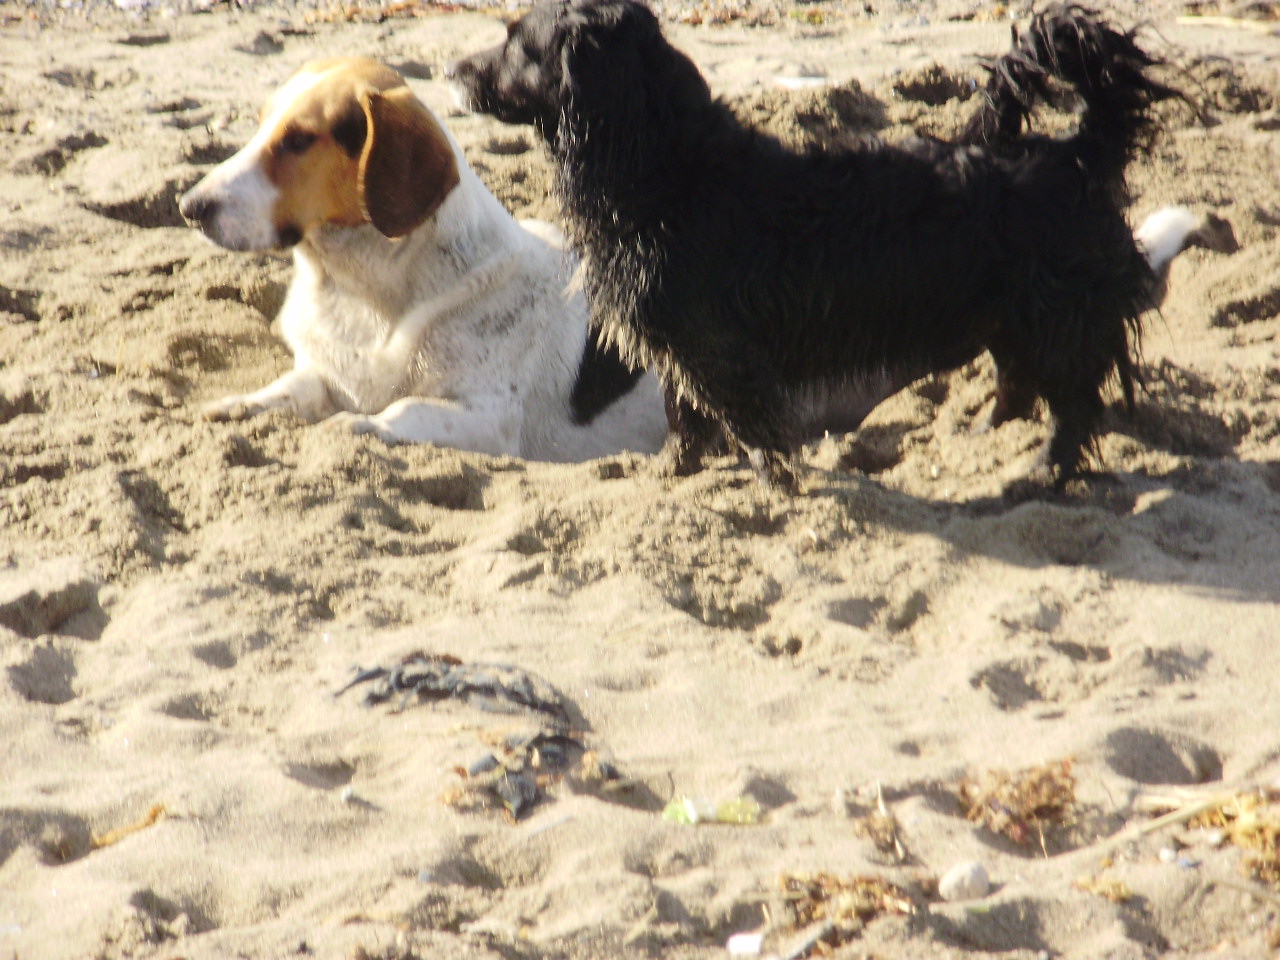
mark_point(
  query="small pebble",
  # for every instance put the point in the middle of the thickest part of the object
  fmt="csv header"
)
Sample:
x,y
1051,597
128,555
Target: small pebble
x,y
1168,854
800,83
965,881
841,802
347,795
745,944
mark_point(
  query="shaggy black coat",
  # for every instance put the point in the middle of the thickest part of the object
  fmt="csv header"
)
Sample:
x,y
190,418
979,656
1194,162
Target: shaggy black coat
x,y
779,292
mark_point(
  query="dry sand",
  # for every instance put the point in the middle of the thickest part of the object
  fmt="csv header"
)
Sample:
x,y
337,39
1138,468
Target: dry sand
x,y
179,600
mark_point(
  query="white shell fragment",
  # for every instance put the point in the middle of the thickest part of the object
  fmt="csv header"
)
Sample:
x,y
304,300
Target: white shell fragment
x,y
801,83
745,944
965,881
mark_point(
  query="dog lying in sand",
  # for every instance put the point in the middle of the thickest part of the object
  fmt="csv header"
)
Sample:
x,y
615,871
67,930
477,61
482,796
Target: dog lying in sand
x,y
419,309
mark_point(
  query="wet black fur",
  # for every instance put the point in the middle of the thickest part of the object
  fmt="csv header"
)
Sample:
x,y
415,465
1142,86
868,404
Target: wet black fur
x,y
779,292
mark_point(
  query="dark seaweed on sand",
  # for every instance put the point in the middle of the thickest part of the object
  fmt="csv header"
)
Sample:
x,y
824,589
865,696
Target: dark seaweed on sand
x,y
439,676
517,774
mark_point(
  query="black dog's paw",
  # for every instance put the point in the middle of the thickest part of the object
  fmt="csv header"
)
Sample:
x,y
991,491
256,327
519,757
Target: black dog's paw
x,y
774,471
678,458
984,423
1086,478
1010,404
1047,479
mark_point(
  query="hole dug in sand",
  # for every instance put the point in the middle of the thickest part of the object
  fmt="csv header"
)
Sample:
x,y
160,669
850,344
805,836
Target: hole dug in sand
x,y
157,207
46,675
1158,757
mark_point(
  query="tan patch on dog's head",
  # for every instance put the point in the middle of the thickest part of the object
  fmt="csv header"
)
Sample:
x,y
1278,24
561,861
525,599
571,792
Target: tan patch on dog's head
x,y
346,143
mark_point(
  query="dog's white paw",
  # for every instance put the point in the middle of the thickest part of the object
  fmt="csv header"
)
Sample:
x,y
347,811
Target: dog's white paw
x,y
359,423
235,407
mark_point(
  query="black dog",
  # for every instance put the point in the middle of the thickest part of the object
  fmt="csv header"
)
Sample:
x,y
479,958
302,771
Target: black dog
x,y
779,292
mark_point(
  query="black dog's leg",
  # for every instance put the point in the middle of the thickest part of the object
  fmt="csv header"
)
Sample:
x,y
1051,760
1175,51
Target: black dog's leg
x,y
1071,390
774,469
758,418
732,389
693,435
1015,396
757,423
1071,380
1076,415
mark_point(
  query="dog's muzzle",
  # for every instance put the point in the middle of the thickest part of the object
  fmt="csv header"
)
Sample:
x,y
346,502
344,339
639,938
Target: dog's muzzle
x,y
235,217
199,210
455,73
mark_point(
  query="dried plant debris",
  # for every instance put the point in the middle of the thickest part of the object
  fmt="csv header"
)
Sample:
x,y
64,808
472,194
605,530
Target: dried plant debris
x,y
439,676
881,828
1250,821
1024,805
520,770
154,815
719,13
404,10
517,776
839,907
1109,888
1226,10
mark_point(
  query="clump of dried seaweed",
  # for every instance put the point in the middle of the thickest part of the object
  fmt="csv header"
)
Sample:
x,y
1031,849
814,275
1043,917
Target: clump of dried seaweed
x,y
518,774
1023,805
881,828
519,771
1109,888
1250,821
836,909
360,13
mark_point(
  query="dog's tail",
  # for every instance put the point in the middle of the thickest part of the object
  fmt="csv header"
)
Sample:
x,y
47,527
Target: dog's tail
x,y
1072,45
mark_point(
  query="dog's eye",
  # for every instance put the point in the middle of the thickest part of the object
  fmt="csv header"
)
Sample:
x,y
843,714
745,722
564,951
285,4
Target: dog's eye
x,y
297,141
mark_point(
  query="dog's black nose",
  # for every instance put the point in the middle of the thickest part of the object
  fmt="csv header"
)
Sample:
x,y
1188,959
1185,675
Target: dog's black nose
x,y
196,208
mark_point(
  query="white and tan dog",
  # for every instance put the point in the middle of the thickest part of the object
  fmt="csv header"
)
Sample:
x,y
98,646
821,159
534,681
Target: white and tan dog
x,y
419,310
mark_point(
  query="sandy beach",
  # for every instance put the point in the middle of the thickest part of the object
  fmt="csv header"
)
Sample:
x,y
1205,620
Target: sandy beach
x,y
919,663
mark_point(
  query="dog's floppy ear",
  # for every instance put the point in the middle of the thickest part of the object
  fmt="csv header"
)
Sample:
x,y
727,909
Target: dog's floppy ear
x,y
614,58
592,51
407,167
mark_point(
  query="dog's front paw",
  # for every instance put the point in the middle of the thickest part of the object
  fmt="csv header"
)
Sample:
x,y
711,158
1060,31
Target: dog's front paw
x,y
360,423
235,407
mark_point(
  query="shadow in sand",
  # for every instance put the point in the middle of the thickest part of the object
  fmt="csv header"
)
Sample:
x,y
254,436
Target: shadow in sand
x,y
1111,522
